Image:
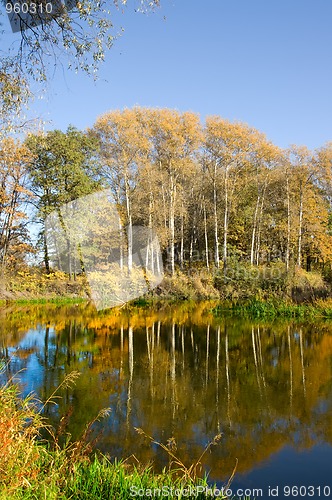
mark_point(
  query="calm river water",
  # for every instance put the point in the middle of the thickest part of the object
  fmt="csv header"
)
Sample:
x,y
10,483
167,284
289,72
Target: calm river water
x,y
179,372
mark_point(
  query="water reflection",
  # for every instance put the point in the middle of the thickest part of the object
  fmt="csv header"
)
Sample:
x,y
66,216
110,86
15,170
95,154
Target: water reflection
x,y
178,371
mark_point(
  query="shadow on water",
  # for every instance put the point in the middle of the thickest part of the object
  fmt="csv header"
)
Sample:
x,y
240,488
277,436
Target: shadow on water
x,y
177,371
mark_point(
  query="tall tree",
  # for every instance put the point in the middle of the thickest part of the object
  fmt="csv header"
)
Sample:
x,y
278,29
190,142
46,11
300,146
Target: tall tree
x,y
124,147
229,149
61,171
301,162
264,157
175,140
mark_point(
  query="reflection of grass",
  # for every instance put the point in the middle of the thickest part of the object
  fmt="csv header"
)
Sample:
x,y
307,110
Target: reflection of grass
x,y
33,469
52,300
265,309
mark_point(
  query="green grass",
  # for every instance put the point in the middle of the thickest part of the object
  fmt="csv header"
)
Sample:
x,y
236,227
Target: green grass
x,y
32,468
100,479
265,309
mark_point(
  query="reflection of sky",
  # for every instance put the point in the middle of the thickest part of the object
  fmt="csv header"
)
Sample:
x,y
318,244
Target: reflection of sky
x,y
308,467
28,370
32,377
35,338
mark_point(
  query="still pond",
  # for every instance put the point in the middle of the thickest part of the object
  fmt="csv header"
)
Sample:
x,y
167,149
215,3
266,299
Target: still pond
x,y
180,372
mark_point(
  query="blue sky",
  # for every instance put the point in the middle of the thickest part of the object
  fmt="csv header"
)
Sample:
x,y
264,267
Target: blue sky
x,y
267,63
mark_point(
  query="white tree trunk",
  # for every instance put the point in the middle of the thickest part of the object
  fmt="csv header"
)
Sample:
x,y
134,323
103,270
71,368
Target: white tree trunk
x,y
288,224
225,222
216,240
253,234
299,251
206,238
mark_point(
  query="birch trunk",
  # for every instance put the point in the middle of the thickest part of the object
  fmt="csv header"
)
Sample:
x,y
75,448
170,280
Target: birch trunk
x,y
130,228
253,234
206,237
299,252
288,224
225,222
172,223
216,241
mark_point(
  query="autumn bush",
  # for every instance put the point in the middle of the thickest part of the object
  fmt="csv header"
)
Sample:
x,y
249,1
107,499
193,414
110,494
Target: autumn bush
x,y
308,286
198,284
177,286
203,284
32,282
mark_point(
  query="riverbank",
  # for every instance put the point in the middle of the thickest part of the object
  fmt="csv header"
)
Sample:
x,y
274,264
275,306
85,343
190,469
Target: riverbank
x,y
34,468
255,292
250,309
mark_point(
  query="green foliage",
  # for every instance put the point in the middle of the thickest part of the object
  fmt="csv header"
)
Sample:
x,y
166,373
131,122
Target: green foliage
x,y
60,172
61,168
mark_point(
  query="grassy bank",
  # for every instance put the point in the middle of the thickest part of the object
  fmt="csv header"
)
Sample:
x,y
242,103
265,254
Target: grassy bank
x,y
264,290
32,468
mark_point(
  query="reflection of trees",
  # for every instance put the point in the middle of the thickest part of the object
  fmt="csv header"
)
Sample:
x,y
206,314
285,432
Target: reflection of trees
x,y
290,372
302,362
173,375
185,374
131,371
227,376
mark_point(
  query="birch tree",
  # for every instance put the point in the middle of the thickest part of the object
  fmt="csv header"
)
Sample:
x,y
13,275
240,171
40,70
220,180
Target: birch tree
x,y
175,139
124,147
227,150
301,162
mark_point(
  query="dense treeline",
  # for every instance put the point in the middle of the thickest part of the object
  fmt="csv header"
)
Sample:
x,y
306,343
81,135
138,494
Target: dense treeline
x,y
216,194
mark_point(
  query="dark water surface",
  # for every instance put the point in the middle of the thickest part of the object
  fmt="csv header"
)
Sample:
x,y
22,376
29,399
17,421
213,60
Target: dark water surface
x,y
178,371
